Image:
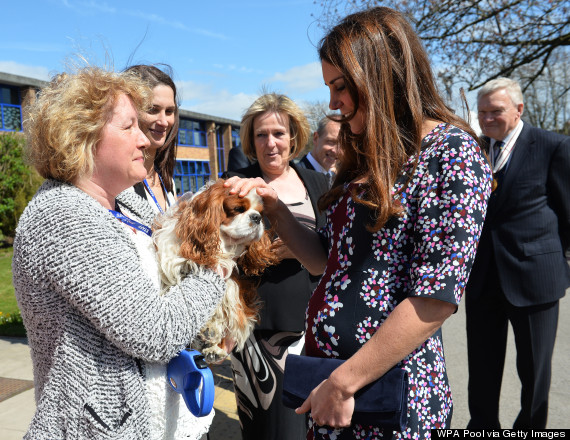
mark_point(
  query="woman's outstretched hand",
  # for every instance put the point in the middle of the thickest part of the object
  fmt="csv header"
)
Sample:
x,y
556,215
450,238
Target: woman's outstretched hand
x,y
241,187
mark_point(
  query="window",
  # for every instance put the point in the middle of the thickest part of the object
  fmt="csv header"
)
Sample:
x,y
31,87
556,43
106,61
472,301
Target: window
x,y
10,110
192,133
9,95
191,175
236,140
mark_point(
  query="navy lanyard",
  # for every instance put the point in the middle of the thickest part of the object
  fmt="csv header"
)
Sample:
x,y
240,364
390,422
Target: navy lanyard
x,y
154,197
132,223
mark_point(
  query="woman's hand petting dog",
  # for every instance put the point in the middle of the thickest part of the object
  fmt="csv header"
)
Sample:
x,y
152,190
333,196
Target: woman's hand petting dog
x,y
242,187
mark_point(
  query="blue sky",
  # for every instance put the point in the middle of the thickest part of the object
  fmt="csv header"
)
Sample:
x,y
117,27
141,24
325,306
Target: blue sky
x,y
222,52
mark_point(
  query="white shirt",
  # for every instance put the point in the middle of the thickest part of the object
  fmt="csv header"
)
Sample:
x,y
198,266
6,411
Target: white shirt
x,y
169,418
509,145
317,166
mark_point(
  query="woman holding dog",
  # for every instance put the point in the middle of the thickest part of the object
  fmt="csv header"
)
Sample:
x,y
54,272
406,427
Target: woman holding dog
x,y
92,311
404,216
159,123
273,132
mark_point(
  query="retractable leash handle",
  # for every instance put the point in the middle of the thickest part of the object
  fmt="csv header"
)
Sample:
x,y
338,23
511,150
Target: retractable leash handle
x,y
186,372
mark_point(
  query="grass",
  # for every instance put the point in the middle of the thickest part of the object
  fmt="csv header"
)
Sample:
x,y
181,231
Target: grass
x,y
10,319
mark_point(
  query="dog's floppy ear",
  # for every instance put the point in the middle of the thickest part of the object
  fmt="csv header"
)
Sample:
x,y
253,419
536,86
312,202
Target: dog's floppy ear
x,y
198,227
258,256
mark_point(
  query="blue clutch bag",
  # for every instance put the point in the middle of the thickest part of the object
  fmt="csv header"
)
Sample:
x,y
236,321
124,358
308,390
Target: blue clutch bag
x,y
382,403
189,375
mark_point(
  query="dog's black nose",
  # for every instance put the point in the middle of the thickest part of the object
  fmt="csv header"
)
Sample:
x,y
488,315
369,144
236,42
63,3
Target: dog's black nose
x,y
256,218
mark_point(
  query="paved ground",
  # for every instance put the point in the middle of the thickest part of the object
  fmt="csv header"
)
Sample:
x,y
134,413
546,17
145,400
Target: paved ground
x,y
16,411
455,346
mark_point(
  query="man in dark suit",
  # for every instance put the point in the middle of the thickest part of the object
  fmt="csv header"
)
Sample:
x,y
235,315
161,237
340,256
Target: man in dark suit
x,y
520,270
324,155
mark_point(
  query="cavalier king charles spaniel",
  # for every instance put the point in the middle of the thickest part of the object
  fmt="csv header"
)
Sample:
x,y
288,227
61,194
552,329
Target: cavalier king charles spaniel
x,y
222,232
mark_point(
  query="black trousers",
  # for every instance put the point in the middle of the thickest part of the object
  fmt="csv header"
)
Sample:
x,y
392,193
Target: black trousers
x,y
487,317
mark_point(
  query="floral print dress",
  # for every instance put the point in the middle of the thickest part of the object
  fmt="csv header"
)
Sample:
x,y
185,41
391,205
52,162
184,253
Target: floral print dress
x,y
427,252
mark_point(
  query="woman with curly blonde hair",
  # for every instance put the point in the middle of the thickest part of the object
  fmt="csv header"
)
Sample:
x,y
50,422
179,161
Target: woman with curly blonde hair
x,y
91,305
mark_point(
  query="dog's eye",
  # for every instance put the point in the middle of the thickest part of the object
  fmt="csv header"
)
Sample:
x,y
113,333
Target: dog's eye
x,y
239,209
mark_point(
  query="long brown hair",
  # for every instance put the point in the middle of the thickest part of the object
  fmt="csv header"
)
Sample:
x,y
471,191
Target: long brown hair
x,y
388,76
165,158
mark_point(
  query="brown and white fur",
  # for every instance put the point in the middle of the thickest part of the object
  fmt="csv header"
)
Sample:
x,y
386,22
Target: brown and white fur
x,y
216,230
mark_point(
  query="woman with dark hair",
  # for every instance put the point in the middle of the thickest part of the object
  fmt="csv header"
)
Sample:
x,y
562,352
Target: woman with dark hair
x,y
404,216
273,132
160,125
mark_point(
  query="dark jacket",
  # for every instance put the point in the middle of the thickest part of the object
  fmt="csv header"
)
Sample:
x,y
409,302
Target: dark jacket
x,y
306,163
237,159
527,228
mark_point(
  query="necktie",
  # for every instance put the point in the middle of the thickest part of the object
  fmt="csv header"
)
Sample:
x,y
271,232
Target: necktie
x,y
330,178
497,150
497,175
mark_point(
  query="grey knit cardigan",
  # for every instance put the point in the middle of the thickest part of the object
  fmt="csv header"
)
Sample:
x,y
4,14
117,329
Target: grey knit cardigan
x,y
91,311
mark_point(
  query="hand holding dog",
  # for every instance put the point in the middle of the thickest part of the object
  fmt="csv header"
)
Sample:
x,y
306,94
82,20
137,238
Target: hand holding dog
x,y
228,344
223,271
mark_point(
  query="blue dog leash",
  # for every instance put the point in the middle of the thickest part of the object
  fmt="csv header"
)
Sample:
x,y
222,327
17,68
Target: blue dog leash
x,y
186,372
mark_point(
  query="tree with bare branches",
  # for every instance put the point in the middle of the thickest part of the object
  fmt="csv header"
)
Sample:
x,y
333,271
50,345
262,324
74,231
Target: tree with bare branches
x,y
547,101
474,41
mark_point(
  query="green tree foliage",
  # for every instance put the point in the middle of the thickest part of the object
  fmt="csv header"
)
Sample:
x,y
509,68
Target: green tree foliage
x,y
18,182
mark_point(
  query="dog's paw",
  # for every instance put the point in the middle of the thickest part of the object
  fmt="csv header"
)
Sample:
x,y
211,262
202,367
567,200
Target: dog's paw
x,y
215,354
212,352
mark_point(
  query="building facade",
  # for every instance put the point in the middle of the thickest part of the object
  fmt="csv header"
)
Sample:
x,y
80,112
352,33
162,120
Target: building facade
x,y
204,141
